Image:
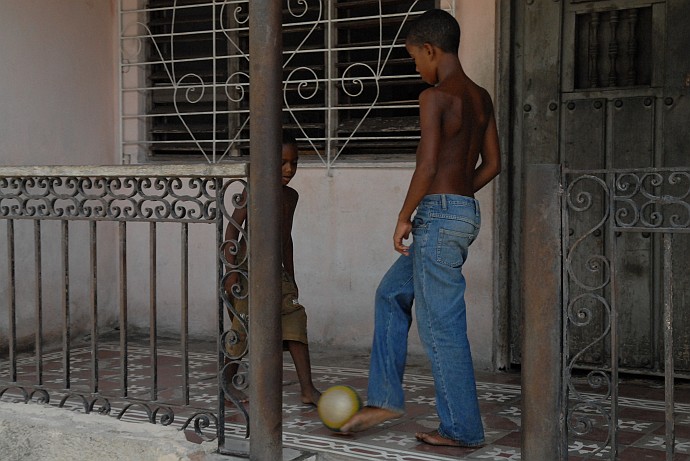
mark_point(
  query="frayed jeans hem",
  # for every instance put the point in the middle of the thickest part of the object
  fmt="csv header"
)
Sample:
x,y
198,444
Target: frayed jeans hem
x,y
384,406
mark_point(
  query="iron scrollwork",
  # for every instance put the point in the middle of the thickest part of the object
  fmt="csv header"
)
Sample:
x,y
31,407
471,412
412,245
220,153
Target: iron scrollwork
x,y
653,200
234,258
588,273
597,206
109,198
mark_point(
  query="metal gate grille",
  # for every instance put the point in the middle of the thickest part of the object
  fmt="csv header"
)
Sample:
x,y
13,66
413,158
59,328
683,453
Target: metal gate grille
x,y
598,206
349,86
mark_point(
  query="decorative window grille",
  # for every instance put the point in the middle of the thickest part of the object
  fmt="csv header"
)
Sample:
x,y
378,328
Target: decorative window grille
x,y
350,88
614,48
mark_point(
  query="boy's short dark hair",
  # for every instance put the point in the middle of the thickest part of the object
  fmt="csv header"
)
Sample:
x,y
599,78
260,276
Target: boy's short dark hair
x,y
438,28
289,138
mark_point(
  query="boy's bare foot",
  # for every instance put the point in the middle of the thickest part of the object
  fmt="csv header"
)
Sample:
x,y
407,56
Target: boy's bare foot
x,y
311,397
436,439
368,417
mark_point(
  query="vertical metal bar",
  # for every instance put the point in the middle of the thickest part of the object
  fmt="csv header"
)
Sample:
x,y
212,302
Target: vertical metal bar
x,y
565,300
38,256
613,285
153,309
184,267
214,142
265,335
66,340
121,92
669,398
123,307
613,290
93,239
542,413
331,89
220,314
12,311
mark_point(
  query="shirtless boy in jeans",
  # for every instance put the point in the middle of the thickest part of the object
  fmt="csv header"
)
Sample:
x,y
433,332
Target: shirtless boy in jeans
x,y
458,129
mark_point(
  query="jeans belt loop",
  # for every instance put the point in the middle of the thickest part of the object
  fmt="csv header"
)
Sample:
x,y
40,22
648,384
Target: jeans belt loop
x,y
444,202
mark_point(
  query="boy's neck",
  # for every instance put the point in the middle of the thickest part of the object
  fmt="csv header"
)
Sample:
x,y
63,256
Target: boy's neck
x,y
449,64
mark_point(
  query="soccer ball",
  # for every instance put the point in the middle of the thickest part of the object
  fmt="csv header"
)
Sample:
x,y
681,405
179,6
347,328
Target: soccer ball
x,y
336,405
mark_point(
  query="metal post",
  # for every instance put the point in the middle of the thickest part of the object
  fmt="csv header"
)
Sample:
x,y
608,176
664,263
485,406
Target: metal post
x,y
265,206
543,435
669,366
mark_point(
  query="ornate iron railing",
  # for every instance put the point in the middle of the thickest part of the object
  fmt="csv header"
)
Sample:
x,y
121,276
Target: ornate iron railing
x,y
598,206
54,215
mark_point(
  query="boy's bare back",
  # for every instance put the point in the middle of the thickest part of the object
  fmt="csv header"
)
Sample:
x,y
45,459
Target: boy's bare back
x,y
455,117
458,151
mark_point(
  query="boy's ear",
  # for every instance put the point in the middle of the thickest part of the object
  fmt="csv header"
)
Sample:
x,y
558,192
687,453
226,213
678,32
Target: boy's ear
x,y
430,50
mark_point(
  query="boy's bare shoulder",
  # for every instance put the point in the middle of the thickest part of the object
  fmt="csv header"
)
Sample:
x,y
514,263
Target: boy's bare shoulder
x,y
433,99
428,95
454,88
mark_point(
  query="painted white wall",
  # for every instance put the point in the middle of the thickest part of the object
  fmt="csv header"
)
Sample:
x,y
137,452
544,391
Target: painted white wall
x,y
58,93
57,82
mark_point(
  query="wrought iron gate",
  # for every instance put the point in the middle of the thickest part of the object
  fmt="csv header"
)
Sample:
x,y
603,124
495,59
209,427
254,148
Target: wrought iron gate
x,y
599,207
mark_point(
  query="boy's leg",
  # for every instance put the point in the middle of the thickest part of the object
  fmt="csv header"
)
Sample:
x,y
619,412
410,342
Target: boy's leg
x,y
300,356
393,316
439,253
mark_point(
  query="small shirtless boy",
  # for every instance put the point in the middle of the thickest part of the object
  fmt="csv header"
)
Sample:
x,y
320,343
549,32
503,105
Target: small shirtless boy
x,y
458,154
294,317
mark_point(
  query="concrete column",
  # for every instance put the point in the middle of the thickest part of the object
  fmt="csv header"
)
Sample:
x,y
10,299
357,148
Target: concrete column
x,y
543,421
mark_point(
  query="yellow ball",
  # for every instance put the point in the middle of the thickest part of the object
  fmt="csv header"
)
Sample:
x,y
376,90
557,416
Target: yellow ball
x,y
336,405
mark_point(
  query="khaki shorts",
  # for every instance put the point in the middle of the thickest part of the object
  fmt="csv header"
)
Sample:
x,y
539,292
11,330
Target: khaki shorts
x,y
294,317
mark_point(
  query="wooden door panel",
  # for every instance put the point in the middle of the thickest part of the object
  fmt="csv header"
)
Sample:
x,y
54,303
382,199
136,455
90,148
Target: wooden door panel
x,y
676,102
634,298
584,133
633,133
606,84
633,140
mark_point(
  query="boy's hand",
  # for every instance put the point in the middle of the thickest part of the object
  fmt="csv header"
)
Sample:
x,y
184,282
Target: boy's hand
x,y
402,231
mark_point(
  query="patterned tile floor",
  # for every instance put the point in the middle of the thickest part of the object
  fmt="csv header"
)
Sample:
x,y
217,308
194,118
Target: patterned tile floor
x,y
641,418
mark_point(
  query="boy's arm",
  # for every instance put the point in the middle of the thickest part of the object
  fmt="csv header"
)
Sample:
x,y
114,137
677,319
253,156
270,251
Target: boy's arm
x,y
490,154
288,261
425,169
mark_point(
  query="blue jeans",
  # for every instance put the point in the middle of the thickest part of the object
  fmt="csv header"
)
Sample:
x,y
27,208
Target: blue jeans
x,y
443,229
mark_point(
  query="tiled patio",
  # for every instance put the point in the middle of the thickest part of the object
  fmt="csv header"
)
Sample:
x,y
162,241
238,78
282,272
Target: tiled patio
x,y
641,411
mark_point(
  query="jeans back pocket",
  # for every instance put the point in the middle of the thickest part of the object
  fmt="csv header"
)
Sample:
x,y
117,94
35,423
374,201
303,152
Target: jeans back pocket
x,y
451,249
